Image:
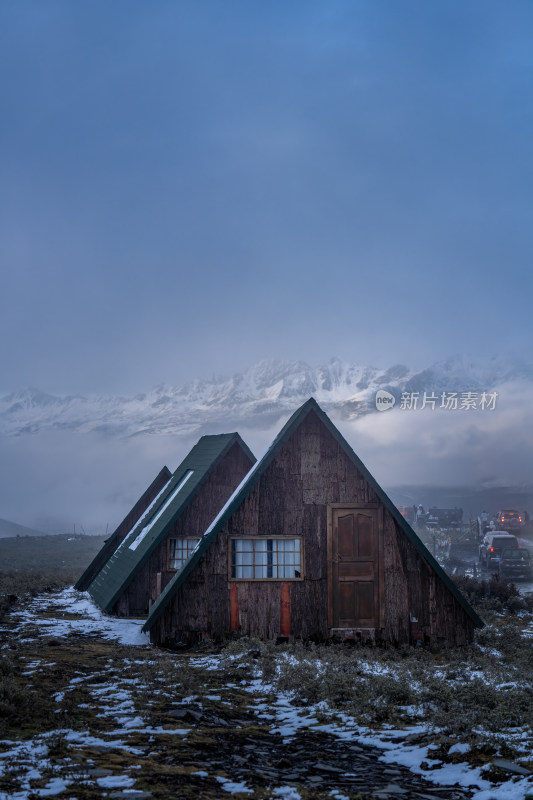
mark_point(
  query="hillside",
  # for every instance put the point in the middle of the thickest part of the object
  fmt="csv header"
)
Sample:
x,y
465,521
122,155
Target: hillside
x,y
31,563
12,529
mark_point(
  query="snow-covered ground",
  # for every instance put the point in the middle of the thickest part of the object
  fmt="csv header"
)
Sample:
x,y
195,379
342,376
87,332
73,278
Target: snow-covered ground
x,y
112,693
89,620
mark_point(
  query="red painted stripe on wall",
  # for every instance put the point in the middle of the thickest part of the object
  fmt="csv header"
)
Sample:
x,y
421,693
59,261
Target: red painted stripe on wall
x,y
285,610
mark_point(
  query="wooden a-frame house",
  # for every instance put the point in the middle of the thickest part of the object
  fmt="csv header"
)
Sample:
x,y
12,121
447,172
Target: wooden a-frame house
x,y
310,547
156,548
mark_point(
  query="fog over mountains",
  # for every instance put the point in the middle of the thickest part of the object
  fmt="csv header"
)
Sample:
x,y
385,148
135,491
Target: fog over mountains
x,y
256,398
85,460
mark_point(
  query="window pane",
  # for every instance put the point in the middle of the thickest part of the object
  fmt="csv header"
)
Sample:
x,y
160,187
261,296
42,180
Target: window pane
x,y
180,550
265,558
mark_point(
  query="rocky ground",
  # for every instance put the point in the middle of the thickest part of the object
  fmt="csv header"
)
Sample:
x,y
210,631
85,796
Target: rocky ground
x,y
89,709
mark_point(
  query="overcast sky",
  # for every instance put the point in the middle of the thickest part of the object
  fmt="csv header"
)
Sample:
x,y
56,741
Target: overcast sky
x,y
189,187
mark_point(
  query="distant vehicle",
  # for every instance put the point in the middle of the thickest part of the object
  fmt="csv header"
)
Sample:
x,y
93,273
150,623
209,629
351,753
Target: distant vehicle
x,y
515,562
508,519
444,517
492,545
407,512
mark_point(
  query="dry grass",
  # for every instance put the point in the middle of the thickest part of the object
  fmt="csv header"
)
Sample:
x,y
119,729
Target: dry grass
x,y
484,687
477,694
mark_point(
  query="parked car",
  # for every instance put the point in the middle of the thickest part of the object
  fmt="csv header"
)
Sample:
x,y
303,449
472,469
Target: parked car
x,y
508,519
444,517
492,545
515,562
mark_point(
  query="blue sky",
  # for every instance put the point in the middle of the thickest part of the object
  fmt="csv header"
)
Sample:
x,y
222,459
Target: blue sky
x,y
189,187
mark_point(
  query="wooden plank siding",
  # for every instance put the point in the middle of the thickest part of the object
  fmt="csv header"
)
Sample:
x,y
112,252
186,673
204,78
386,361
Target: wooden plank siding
x,y
310,471
154,575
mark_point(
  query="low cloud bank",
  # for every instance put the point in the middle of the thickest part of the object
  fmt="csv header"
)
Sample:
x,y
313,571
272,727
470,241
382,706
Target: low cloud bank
x,y
56,480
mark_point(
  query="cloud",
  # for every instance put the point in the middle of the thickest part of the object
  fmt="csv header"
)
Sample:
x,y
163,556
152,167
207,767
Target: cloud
x,y
450,448
54,480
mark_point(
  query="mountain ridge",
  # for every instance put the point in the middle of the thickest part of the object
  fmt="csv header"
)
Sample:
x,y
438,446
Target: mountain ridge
x,y
256,397
10,530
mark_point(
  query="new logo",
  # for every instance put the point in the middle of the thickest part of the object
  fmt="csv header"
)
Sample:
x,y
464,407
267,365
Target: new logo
x,y
384,400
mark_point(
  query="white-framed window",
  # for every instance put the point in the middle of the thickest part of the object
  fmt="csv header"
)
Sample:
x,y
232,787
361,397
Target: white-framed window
x,y
279,558
179,551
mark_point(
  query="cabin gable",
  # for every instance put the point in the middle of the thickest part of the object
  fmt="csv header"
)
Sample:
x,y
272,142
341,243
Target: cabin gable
x,y
307,484
133,576
155,574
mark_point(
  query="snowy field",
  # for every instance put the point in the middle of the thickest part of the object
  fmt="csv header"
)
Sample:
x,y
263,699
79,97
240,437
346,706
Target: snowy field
x,y
106,702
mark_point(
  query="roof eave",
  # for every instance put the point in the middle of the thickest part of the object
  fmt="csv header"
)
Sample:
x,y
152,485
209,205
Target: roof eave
x,y
136,568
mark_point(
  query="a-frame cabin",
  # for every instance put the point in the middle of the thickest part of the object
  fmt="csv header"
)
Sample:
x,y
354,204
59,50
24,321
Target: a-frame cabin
x,y
310,547
128,523
156,548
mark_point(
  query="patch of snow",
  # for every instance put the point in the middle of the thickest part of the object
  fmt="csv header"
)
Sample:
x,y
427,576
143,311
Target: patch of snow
x,y
78,737
208,663
115,781
131,722
459,747
54,786
147,528
286,792
91,620
150,730
510,790
144,516
338,795
232,786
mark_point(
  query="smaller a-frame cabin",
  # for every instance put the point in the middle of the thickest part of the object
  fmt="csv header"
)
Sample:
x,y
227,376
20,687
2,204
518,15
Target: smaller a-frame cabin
x,y
157,547
310,547
131,519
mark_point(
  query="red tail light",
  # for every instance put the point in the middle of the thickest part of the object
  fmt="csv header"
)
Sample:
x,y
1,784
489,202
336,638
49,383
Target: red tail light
x,y
503,519
492,549
519,519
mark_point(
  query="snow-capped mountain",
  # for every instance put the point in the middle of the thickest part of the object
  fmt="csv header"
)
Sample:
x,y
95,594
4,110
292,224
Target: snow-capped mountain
x,y
257,397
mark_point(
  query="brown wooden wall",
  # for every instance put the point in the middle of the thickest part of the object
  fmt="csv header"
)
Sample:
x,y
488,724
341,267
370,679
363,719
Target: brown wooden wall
x,y
192,523
290,499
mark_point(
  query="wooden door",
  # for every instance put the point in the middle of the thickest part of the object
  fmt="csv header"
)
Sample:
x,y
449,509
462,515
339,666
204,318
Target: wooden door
x,y
354,550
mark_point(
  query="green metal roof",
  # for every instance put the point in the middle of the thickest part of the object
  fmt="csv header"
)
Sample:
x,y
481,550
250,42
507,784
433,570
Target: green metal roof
x,y
250,481
110,545
139,544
